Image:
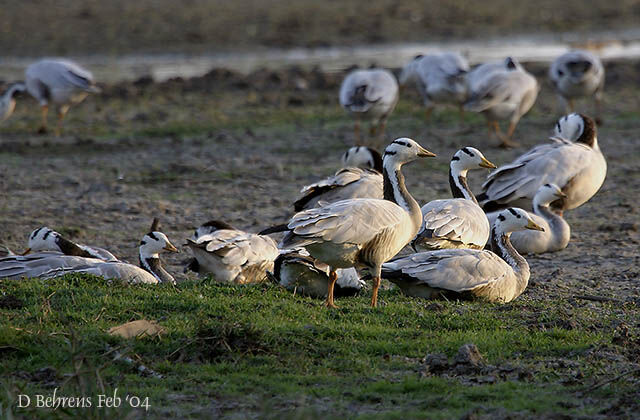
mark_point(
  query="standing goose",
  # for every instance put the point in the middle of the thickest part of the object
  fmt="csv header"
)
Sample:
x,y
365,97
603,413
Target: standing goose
x,y
440,78
231,255
577,74
573,161
504,95
557,231
363,231
476,77
369,94
49,264
8,99
498,276
60,82
457,222
45,239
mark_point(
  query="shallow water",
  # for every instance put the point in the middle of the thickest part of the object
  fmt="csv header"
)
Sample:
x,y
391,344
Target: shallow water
x,y
541,48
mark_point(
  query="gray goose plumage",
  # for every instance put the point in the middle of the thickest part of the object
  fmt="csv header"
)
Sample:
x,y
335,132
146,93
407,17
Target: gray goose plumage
x,y
500,275
8,99
557,232
60,82
231,255
365,231
49,264
573,161
457,222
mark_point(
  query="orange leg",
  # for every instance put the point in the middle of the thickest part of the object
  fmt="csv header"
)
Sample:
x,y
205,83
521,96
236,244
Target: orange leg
x,y
61,115
333,276
43,124
374,296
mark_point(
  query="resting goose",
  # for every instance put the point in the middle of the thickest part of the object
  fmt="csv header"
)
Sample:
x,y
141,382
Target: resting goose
x,y
45,239
457,222
369,94
362,231
61,82
439,77
498,276
573,161
8,99
557,231
304,274
503,95
231,255
577,74
48,264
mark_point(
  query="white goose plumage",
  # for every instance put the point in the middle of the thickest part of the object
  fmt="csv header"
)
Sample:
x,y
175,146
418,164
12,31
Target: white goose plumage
x,y
578,74
45,239
498,276
476,77
231,255
557,232
60,82
503,95
362,232
49,264
573,161
369,94
439,77
8,99
457,222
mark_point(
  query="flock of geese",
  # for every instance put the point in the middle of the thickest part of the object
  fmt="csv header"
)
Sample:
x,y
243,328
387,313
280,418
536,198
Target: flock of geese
x,y
363,216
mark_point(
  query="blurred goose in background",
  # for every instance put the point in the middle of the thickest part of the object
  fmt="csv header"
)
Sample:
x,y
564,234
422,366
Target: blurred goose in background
x,y
457,222
556,233
503,95
61,82
369,95
8,99
45,239
297,271
439,77
500,275
573,161
577,74
231,255
476,77
363,231
49,264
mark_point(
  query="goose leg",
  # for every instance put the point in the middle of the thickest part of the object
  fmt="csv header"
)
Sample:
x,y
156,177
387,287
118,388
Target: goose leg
x,y
505,140
44,109
598,101
333,276
428,113
61,113
356,132
374,296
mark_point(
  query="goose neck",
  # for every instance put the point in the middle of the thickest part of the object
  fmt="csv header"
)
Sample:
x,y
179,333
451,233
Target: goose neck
x,y
459,186
152,265
396,191
558,227
501,245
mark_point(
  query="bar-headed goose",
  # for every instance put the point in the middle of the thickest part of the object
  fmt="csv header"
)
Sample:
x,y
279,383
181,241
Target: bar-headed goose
x,y
457,222
557,231
362,231
577,74
573,161
504,95
45,239
476,77
48,264
498,276
439,77
59,82
8,99
231,255
369,95
299,272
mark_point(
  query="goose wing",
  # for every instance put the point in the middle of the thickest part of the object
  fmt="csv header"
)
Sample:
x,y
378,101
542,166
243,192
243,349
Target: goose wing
x,y
457,220
61,74
499,87
39,263
238,248
362,89
107,270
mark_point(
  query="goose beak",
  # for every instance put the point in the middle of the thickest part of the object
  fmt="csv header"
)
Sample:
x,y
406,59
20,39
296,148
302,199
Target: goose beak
x,y
486,164
533,226
560,194
169,247
28,250
422,152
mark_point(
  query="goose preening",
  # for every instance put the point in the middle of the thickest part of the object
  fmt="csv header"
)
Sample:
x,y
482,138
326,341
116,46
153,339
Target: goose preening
x,y
231,255
500,275
457,222
305,275
557,232
573,161
369,94
439,77
50,264
8,99
59,82
45,239
363,231
505,94
578,74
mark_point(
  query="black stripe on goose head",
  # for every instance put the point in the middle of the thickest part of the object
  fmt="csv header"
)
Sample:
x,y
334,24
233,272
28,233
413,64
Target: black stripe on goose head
x,y
467,151
589,131
511,65
401,142
418,57
501,218
35,232
515,213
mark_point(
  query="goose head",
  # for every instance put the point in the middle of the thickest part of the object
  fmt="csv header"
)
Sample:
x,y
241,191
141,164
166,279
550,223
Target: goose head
x,y
43,239
404,150
514,219
362,157
210,227
153,243
547,194
577,127
511,63
468,158
15,89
